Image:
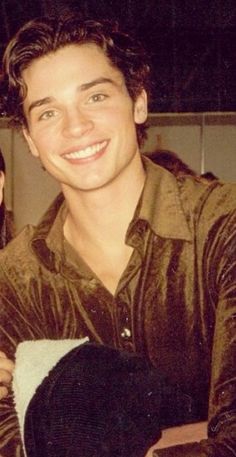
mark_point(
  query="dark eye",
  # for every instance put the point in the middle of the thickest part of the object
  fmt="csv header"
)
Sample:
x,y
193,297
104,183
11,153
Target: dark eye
x,y
47,115
97,98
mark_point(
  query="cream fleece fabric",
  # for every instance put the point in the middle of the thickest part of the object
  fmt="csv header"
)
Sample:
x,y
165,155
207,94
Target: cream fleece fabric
x,y
34,360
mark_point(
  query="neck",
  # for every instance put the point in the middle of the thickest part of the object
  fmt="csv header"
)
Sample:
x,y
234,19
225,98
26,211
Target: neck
x,y
103,215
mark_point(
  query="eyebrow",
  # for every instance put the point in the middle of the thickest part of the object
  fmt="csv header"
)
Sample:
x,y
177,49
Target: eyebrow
x,y
37,103
82,88
95,82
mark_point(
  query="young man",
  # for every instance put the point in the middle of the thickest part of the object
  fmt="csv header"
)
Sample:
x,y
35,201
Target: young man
x,y
128,255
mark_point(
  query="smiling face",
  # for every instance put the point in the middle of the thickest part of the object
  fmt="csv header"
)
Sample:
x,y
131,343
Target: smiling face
x,y
80,117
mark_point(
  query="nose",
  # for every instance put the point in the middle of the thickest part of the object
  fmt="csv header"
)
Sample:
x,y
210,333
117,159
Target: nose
x,y
76,123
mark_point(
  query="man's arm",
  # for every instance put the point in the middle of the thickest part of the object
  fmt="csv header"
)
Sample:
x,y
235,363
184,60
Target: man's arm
x,y
220,271
15,326
180,435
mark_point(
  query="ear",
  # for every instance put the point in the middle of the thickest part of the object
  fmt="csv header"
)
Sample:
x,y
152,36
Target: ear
x,y
140,108
2,182
30,142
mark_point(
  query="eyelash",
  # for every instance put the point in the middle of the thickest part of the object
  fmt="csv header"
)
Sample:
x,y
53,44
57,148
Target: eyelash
x,y
96,98
46,115
99,97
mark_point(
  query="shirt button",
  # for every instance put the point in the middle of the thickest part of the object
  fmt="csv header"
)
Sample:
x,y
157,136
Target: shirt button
x,y
126,333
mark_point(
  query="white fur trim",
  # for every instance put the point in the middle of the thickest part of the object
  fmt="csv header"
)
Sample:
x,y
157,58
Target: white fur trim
x,y
34,360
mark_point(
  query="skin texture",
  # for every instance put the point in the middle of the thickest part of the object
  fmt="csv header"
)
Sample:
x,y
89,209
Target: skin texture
x,y
78,110
81,125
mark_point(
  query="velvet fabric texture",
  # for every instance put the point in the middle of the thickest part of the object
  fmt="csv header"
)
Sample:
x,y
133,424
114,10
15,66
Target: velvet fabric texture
x,y
175,303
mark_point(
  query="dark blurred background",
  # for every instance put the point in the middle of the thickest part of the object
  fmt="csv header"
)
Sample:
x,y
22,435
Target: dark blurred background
x,y
192,44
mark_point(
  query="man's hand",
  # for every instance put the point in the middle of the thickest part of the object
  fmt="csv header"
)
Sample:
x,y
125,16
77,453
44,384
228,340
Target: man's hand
x,y
6,370
180,435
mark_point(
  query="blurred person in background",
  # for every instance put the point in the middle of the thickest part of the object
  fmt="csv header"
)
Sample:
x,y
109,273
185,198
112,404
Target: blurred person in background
x,y
175,165
171,162
6,222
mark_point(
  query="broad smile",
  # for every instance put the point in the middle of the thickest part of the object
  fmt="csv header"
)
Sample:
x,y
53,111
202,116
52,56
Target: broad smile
x,y
85,153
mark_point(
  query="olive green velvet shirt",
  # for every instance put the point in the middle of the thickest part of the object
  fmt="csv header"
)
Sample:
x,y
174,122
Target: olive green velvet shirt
x,y
175,302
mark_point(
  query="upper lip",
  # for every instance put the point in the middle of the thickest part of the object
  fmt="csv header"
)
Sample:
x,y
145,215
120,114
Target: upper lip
x,y
87,147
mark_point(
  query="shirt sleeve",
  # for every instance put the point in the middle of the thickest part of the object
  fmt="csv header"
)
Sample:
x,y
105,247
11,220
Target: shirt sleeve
x,y
21,318
220,281
10,442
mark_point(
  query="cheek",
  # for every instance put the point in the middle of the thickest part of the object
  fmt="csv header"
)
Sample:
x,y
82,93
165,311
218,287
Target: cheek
x,y
123,121
43,142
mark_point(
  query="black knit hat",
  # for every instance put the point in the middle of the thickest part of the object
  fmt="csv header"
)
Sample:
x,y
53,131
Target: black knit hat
x,y
96,402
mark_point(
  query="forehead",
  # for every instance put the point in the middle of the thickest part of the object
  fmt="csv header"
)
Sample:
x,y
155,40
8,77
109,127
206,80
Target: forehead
x,y
86,61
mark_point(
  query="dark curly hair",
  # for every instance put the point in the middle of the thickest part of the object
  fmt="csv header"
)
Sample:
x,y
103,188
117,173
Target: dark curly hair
x,y
43,35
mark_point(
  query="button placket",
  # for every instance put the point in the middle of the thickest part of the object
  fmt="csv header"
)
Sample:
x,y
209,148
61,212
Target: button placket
x,y
124,325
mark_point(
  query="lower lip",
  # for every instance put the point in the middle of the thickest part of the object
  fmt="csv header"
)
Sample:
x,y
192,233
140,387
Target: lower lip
x,y
92,158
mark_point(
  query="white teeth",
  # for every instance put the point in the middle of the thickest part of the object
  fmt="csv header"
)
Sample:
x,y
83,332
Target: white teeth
x,y
89,151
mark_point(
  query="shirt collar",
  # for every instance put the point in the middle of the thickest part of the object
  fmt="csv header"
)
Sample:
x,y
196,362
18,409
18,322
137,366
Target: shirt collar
x,y
48,232
161,205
